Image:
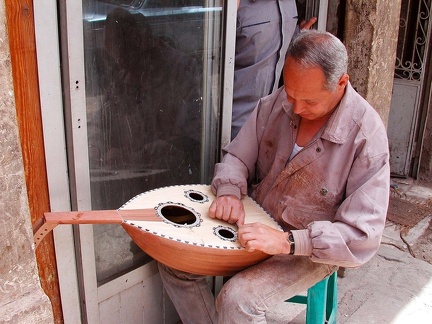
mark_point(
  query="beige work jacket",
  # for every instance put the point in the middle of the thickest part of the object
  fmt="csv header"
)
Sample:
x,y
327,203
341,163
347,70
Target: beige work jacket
x,y
334,192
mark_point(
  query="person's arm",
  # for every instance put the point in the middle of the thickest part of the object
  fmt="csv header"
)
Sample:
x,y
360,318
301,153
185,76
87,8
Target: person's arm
x,y
354,236
230,181
230,186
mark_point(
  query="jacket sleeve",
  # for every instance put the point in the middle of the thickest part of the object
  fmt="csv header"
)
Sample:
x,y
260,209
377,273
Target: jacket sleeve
x,y
238,164
354,236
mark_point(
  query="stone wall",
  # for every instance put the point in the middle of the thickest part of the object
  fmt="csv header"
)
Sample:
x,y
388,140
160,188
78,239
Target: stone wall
x,y
370,35
21,297
425,170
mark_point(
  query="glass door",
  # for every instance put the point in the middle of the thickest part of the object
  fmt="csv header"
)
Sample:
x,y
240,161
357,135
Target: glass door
x,y
152,71
143,97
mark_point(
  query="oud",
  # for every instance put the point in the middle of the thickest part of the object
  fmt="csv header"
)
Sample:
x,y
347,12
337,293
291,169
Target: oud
x,y
171,224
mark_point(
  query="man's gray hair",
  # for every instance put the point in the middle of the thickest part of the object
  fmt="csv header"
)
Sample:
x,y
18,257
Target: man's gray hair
x,y
319,49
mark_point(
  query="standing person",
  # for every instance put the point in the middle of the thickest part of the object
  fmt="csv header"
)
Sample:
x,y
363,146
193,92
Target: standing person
x,y
264,31
314,154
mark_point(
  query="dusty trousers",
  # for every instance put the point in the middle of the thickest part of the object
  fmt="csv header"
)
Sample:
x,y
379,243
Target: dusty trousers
x,y
245,297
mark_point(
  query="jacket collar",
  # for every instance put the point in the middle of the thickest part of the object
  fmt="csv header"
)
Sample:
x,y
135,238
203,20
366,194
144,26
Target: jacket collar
x,y
341,122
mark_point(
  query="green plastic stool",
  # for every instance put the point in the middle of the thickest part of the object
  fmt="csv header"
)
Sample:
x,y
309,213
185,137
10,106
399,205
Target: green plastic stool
x,y
321,301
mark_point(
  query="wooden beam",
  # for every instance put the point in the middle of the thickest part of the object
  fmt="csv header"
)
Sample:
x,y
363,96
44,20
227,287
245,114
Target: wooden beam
x,y
20,27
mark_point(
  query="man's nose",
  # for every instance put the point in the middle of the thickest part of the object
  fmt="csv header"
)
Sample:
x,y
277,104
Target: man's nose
x,y
298,108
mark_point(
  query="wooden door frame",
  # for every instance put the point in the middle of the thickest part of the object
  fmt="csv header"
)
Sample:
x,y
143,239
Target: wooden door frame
x,y
21,31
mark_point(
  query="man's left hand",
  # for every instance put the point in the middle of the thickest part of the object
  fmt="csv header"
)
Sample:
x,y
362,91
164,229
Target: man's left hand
x,y
257,236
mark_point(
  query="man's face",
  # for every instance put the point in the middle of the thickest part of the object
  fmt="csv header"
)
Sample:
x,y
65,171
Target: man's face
x,y
306,91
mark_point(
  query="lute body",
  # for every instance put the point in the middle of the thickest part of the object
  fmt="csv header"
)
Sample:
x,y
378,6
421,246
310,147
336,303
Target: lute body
x,y
172,225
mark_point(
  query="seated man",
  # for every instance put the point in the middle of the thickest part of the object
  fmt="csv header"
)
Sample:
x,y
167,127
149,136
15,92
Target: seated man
x,y
315,156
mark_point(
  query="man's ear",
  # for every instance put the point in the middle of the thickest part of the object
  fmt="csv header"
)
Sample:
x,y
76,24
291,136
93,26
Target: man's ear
x,y
343,81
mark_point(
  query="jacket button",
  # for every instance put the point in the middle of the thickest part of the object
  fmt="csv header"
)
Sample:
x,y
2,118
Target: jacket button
x,y
318,149
323,191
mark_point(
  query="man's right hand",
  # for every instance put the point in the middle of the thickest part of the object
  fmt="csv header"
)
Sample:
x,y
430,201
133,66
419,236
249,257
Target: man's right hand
x,y
229,209
308,24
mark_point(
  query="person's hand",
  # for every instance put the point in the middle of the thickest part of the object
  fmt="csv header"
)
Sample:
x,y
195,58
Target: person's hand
x,y
229,209
257,236
308,24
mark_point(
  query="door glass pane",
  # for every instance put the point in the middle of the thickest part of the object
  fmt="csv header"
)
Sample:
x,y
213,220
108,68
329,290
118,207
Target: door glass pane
x,y
152,94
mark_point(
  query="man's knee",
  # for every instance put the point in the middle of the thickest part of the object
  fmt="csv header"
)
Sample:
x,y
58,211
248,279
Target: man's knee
x,y
232,298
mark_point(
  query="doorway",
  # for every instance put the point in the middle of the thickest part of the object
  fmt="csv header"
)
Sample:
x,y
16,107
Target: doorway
x,y
411,88
139,106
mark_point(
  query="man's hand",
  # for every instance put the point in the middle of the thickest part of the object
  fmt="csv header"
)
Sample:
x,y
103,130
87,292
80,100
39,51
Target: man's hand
x,y
229,209
257,236
308,24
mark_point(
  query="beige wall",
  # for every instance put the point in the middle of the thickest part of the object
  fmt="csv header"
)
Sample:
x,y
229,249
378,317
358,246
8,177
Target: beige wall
x,y
21,297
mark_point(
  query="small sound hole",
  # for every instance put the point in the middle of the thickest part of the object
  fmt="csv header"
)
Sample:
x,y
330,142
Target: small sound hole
x,y
226,234
178,215
196,196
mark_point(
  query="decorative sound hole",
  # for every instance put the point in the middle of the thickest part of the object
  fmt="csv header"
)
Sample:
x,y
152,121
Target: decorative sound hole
x,y
179,215
225,233
196,196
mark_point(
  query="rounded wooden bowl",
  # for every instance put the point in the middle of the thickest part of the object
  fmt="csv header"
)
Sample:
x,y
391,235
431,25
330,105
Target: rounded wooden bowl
x,y
185,238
